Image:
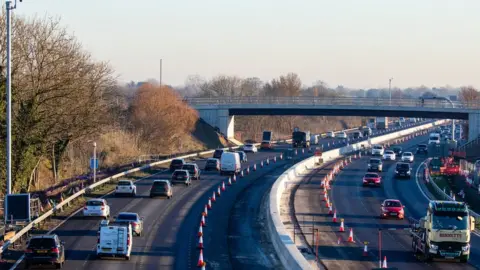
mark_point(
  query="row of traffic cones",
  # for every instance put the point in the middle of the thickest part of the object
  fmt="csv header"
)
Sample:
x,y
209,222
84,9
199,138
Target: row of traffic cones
x,y
218,193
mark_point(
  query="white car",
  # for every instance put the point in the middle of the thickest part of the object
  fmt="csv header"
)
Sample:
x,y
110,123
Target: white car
x,y
389,155
378,150
250,148
407,157
96,208
126,187
341,135
330,134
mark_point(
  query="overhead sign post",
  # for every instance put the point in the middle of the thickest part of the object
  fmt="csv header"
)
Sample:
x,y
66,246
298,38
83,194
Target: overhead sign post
x,y
18,207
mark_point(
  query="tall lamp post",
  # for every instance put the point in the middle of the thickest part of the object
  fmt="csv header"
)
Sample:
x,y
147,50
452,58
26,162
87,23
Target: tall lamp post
x,y
390,89
95,162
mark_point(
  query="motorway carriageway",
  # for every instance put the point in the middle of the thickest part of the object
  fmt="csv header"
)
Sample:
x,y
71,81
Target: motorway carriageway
x,y
170,226
360,207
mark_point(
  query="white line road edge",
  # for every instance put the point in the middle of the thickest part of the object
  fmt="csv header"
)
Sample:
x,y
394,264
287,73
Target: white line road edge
x,y
19,261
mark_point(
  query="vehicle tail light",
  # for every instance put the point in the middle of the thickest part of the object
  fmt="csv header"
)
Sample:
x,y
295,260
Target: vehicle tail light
x,y
28,250
55,250
134,224
103,208
128,240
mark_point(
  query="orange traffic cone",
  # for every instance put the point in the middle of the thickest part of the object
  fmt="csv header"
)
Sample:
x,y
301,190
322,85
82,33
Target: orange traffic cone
x,y
261,164
335,218
325,197
214,199
234,177
223,185
281,156
365,249
328,203
350,237
200,230
330,209
268,161
200,262
275,159
200,243
229,181
209,205
248,170
205,211
254,167
384,265
218,192
342,227
339,241
241,174
204,224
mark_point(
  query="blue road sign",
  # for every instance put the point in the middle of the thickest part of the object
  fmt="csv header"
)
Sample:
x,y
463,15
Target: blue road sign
x,y
93,163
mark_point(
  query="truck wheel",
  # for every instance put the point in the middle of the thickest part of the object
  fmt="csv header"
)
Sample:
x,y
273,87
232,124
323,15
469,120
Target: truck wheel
x,y
59,265
127,258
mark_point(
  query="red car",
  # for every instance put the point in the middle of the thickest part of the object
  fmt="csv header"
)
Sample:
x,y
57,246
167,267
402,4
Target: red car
x,y
372,179
392,208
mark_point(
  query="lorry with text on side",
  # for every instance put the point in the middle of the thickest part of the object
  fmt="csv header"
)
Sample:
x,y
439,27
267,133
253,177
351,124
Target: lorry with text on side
x,y
300,139
444,233
266,140
382,123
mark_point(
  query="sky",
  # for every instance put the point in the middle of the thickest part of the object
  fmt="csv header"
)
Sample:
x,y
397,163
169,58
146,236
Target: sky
x,y
354,43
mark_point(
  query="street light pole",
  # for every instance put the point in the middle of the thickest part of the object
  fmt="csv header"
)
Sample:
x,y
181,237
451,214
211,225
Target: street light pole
x,y
94,162
390,89
9,8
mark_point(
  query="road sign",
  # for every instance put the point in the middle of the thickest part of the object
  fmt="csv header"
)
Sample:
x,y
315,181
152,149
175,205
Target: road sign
x,y
18,207
93,163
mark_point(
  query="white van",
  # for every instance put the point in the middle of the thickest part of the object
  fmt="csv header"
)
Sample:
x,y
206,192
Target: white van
x,y
230,163
434,138
115,240
378,150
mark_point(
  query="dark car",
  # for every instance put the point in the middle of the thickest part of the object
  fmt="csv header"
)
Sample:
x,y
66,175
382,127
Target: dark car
x,y
375,165
218,153
193,170
212,164
45,250
181,176
422,149
243,156
176,164
398,150
161,188
403,170
357,135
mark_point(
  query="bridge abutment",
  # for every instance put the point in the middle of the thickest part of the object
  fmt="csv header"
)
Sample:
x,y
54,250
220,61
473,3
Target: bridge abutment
x,y
219,118
473,125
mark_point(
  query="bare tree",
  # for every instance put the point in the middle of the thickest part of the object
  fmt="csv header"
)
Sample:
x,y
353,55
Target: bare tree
x,y
285,86
470,95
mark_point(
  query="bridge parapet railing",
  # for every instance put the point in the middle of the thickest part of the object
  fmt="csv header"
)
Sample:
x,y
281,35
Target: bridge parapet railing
x,y
342,101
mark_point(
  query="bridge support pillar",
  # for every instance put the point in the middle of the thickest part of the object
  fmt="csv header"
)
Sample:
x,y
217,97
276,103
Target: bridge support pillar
x,y
473,125
219,118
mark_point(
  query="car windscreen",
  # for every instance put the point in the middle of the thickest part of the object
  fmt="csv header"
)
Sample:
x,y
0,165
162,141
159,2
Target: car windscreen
x,y
434,138
422,146
127,217
179,173
377,147
403,166
389,152
392,204
371,175
249,145
160,185
218,152
177,162
41,243
407,154
95,203
374,161
123,183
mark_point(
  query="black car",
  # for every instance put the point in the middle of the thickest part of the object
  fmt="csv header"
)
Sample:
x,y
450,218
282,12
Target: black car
x,y
212,164
357,135
192,169
375,165
403,170
176,164
398,150
218,153
45,250
422,149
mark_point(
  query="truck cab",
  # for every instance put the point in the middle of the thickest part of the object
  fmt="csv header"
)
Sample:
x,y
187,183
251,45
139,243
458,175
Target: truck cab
x,y
444,233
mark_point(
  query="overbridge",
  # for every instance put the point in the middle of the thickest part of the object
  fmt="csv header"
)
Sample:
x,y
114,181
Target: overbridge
x,y
220,112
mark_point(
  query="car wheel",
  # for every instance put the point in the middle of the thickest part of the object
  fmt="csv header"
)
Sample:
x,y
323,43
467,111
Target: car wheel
x,y
127,258
59,265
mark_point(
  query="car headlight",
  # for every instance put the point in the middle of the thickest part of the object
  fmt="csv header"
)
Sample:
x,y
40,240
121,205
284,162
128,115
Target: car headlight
x,y
369,165
408,172
433,246
396,171
466,248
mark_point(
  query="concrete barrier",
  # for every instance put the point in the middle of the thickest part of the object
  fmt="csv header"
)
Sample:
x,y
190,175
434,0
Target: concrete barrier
x,y
286,249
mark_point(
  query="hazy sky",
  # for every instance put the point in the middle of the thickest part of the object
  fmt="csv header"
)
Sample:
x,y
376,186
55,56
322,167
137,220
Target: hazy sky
x,y
355,43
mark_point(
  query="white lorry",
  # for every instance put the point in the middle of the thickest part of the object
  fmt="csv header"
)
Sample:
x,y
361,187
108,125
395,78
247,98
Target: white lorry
x,y
115,240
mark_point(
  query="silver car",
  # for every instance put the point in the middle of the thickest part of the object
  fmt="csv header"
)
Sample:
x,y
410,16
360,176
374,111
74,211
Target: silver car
x,y
134,219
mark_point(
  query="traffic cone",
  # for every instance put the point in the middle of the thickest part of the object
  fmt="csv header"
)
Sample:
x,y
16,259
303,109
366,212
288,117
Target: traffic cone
x,y
205,211
214,199
328,203
229,181
254,167
241,174
330,209
268,161
325,197
342,227
261,164
200,230
209,204
365,249
218,192
384,265
248,170
303,150
281,156
234,178
339,241
223,185
200,262
275,159
454,197
350,237
204,224
200,243
335,219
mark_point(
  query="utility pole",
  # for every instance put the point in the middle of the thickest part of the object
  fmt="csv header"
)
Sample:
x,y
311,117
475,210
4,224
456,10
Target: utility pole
x,y
94,162
390,89
161,60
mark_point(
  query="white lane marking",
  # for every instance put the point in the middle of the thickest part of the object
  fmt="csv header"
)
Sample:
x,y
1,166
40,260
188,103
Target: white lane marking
x,y
14,266
416,180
